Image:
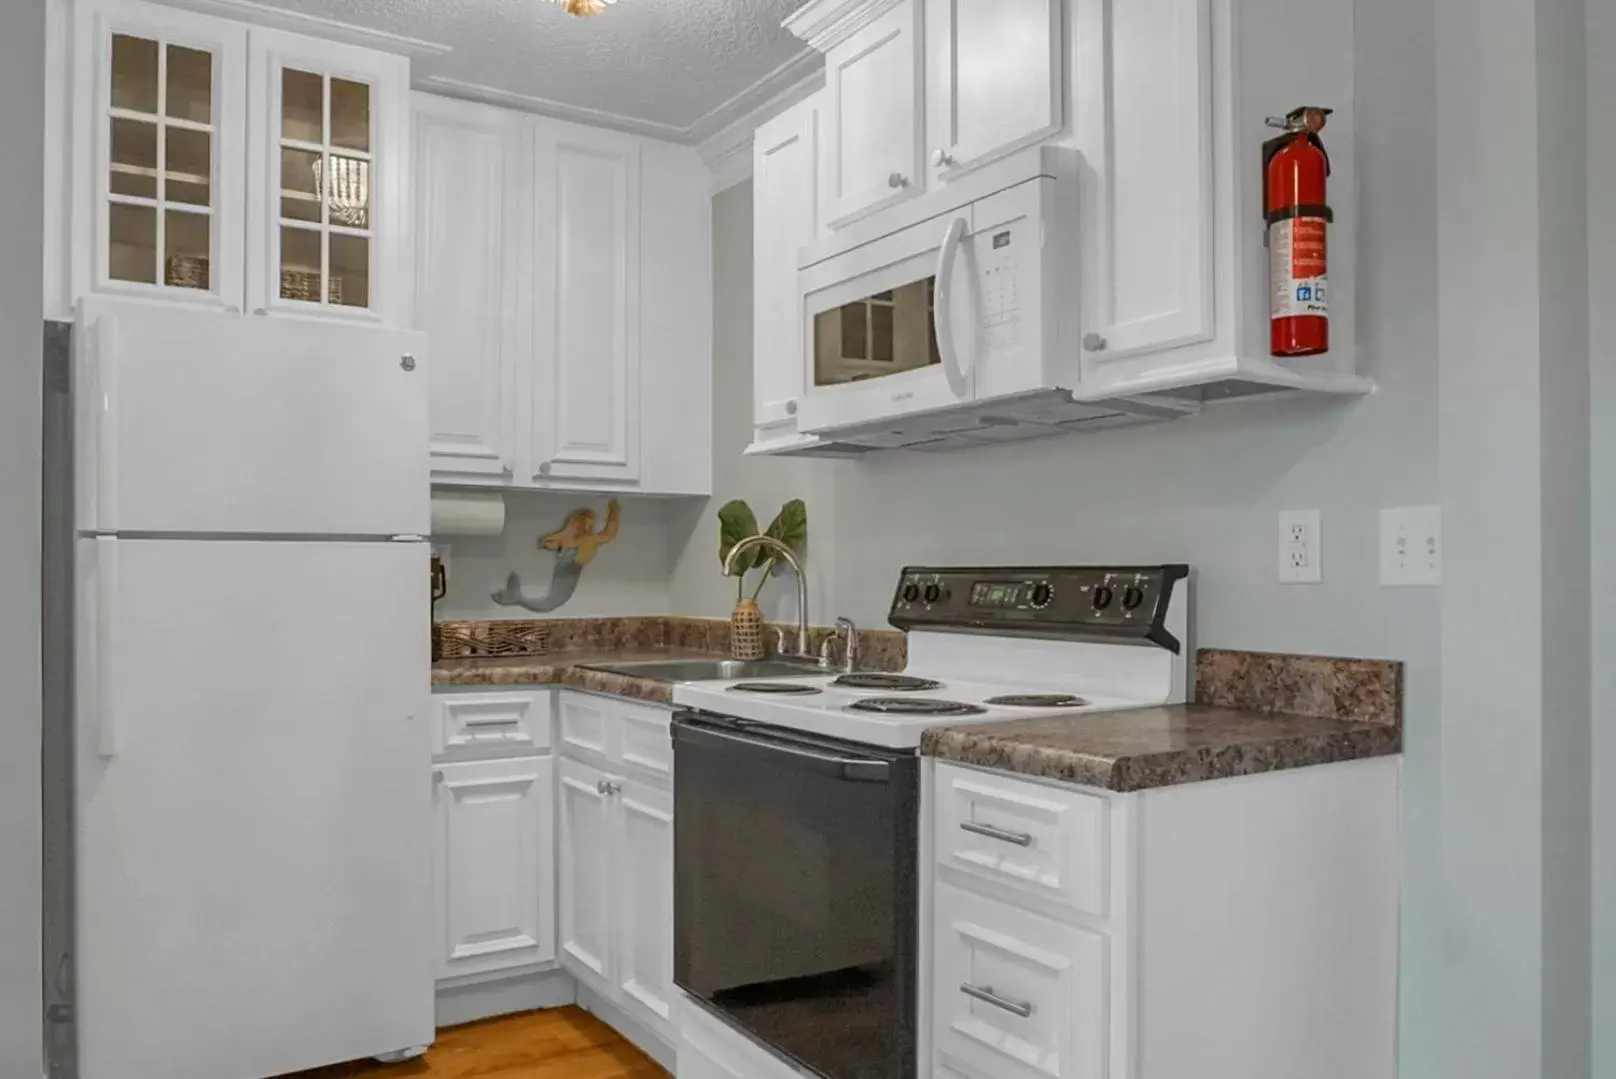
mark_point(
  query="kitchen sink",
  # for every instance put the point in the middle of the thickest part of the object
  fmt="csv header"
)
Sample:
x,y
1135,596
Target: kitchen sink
x,y
710,670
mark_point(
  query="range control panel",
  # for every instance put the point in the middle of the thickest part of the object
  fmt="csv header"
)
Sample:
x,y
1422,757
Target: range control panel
x,y
1128,602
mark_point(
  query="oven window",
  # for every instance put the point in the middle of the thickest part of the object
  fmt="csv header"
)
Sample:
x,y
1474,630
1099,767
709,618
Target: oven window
x,y
795,909
885,333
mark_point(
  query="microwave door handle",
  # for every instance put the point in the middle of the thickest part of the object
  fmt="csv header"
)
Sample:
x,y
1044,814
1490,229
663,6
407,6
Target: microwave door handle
x,y
943,310
848,769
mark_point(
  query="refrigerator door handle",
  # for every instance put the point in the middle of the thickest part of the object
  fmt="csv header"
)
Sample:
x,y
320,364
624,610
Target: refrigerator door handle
x,y
106,608
104,417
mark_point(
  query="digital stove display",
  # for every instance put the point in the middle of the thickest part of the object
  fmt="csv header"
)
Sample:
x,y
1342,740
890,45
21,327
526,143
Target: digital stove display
x,y
998,593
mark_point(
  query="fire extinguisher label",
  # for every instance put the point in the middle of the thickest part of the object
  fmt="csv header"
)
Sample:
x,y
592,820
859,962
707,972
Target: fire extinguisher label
x,y
1298,257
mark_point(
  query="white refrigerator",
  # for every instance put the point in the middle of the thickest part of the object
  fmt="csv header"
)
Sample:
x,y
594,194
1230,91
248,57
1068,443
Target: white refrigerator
x,y
243,725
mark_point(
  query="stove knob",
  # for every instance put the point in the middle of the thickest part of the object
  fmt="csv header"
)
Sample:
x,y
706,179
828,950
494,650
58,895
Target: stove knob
x,y
934,592
1041,595
1132,597
911,592
1103,597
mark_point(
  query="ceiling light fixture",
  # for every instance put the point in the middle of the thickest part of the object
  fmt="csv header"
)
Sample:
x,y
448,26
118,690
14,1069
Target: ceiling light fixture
x,y
584,7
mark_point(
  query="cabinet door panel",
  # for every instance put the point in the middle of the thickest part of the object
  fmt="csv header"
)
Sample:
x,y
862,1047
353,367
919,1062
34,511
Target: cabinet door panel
x,y
994,78
872,95
327,172
495,865
467,168
159,121
586,833
644,888
586,393
1144,126
785,176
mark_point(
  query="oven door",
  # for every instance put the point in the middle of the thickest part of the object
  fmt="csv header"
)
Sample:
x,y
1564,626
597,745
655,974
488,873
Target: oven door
x,y
891,327
795,894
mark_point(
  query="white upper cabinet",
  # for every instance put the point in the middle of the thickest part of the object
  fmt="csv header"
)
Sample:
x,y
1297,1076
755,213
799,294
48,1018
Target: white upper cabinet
x,y
327,174
158,141
874,134
994,79
1143,124
468,188
785,208
204,160
566,273
586,320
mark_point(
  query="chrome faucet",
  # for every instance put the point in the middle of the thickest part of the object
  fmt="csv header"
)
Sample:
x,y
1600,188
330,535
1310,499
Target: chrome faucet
x,y
850,650
776,547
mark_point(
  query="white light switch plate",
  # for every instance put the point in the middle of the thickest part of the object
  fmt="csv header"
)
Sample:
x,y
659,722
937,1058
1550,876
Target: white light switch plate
x,y
1300,554
1411,546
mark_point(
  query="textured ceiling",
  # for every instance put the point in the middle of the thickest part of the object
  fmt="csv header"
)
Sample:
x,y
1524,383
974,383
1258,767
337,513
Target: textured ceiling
x,y
664,62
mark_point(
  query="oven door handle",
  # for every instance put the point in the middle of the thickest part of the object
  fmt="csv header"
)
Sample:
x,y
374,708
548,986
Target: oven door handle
x,y
845,768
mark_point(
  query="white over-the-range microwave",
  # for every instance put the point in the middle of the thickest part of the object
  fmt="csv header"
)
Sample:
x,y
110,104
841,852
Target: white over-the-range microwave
x,y
954,319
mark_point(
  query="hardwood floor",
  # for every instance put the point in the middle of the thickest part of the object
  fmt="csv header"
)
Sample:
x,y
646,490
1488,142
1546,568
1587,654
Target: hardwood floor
x,y
562,1043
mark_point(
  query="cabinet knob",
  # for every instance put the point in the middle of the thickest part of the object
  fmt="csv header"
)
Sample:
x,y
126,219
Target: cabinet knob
x,y
942,158
602,787
407,362
1094,342
791,408
544,469
437,775
897,180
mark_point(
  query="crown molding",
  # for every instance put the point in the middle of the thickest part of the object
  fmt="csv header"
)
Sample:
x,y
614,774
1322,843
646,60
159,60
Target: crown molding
x,y
824,24
806,66
250,11
728,151
556,110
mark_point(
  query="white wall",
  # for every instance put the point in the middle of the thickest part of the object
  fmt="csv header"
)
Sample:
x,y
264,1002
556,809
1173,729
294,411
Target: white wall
x,y
627,577
22,46
1602,259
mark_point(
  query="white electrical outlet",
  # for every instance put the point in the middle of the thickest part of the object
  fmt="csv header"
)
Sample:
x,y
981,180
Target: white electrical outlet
x,y
1411,546
1300,555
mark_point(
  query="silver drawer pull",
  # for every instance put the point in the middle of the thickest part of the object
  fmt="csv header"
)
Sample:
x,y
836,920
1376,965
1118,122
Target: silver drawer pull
x,y
1020,1008
1020,839
492,722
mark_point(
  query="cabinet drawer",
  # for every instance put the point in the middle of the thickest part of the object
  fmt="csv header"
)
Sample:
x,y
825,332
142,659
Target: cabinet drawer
x,y
617,732
1040,840
647,739
1015,995
485,724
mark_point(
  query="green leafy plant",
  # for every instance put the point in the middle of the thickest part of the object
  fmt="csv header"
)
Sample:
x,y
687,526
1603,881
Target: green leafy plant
x,y
737,522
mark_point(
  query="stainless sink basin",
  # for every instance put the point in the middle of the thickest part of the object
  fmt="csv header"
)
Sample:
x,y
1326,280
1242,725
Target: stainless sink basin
x,y
709,670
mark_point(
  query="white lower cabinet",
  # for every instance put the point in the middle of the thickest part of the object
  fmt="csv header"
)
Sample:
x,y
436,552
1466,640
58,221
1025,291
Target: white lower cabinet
x,y
494,866
1016,995
615,828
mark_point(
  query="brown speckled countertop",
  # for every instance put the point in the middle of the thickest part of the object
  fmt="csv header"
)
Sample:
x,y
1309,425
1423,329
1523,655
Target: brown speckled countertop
x,y
566,669
1257,713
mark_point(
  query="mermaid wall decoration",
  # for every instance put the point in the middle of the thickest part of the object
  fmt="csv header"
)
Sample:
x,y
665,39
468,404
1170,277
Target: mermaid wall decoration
x,y
576,545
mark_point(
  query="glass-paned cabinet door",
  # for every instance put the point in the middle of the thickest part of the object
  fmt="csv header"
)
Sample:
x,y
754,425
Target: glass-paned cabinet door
x,y
161,113
330,173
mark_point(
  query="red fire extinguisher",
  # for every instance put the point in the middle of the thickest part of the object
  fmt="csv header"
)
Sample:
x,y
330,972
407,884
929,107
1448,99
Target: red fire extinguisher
x,y
1296,170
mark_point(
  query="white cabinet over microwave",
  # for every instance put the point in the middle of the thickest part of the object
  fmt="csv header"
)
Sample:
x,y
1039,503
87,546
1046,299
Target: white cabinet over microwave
x,y
1159,270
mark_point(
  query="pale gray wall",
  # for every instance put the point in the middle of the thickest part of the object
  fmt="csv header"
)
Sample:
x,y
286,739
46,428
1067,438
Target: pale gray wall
x,y
22,82
1602,260
1206,490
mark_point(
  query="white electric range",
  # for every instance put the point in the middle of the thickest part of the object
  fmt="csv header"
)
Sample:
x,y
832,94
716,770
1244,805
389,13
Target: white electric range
x,y
987,645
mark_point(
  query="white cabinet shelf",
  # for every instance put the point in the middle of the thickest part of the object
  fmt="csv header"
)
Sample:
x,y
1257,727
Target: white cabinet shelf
x,y
565,273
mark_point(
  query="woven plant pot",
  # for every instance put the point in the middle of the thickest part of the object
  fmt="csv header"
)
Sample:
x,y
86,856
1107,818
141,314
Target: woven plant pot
x,y
746,631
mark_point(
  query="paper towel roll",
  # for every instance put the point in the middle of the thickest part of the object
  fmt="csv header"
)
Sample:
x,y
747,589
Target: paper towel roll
x,y
467,513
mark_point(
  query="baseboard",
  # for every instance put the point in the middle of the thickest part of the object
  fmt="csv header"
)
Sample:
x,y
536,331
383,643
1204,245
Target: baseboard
x,y
651,1044
484,1000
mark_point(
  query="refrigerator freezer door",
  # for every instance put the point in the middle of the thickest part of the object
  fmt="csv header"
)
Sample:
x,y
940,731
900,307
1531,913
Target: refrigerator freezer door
x,y
253,878
209,422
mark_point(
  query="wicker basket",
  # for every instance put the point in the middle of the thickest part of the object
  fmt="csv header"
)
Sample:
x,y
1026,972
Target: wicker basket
x,y
304,285
471,640
746,631
186,271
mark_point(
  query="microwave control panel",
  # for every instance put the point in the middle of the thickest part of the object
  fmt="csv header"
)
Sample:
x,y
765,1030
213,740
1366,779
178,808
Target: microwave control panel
x,y
996,252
